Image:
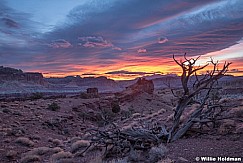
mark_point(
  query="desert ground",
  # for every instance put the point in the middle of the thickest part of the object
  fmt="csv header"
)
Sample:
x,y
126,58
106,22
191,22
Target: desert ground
x,y
32,131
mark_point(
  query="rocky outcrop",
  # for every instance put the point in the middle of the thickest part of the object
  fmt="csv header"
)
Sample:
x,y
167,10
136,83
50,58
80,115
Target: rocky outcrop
x,y
141,86
24,77
102,83
11,74
34,77
92,91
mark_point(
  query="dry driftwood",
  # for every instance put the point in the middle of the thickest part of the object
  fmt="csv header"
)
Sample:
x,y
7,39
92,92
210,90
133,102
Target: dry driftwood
x,y
120,143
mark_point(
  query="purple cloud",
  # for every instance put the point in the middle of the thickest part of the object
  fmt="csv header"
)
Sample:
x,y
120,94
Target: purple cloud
x,y
128,73
10,23
116,31
61,43
94,41
162,40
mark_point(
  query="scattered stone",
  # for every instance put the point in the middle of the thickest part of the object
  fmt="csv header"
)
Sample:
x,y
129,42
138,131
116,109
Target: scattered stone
x,y
181,159
7,140
3,105
7,111
136,115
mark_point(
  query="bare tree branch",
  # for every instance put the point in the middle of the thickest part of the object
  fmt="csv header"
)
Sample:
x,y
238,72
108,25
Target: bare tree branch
x,y
206,81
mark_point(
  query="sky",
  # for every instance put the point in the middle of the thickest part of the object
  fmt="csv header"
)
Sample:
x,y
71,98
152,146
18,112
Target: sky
x,y
120,39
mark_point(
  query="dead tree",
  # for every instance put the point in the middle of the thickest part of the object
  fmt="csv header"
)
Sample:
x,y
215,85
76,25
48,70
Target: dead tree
x,y
201,83
119,142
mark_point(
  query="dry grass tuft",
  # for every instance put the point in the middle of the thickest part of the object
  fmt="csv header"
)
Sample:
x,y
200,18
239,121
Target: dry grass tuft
x,y
11,154
79,145
57,142
74,139
66,160
24,141
157,153
30,159
44,150
58,157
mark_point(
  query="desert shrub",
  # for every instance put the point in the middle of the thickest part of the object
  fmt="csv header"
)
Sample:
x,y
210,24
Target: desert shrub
x,y
115,107
131,109
106,117
157,153
125,114
57,142
84,95
53,106
43,150
60,156
80,144
24,141
30,158
74,139
11,154
36,96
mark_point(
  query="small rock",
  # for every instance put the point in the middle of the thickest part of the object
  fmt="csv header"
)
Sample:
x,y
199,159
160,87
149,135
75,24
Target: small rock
x,y
6,140
181,159
7,111
4,106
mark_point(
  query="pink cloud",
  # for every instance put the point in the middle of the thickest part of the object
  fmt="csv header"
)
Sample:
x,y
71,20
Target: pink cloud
x,y
142,50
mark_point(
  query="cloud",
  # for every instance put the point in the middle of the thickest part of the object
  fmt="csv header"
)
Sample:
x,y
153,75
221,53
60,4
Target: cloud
x,y
235,71
128,72
142,51
89,74
96,41
117,34
162,40
10,23
116,48
61,43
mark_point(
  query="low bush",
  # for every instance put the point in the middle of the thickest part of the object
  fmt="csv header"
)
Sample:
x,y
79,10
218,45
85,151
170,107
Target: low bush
x,y
30,158
58,157
54,106
115,107
80,144
36,96
24,141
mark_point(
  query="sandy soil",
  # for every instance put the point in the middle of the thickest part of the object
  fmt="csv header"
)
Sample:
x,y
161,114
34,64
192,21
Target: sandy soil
x,y
43,127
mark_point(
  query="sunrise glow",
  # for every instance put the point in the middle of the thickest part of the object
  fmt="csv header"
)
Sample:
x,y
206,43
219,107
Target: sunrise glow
x,y
121,40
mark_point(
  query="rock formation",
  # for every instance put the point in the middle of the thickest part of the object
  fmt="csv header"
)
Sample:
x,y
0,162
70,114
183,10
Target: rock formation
x,y
92,91
141,86
11,74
